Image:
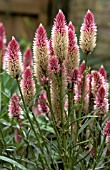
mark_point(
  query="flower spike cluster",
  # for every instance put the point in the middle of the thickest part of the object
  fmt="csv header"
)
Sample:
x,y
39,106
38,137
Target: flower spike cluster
x,y
88,33
13,59
56,62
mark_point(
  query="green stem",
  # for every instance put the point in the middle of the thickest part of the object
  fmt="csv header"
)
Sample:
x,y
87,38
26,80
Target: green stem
x,y
82,95
53,117
41,134
61,96
2,137
32,126
54,124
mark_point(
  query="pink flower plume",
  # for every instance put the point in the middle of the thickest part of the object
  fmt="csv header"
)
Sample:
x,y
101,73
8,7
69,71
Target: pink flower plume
x,y
101,101
59,23
88,33
13,59
74,76
28,86
106,129
40,37
27,61
14,108
42,106
53,65
102,71
51,51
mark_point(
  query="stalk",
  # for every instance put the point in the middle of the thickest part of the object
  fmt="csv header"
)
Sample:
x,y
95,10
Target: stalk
x,y
82,95
32,126
54,125
61,106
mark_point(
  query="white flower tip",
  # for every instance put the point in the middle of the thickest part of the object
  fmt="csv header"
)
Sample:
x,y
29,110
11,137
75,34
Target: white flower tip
x,y
40,25
13,38
70,22
88,10
60,10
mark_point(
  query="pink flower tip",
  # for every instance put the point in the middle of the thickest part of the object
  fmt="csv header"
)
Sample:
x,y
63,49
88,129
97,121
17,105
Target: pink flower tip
x,y
72,43
13,49
27,78
60,22
101,93
103,73
74,76
81,69
14,108
44,80
106,129
40,37
89,19
43,108
71,27
51,51
17,137
2,33
27,58
53,65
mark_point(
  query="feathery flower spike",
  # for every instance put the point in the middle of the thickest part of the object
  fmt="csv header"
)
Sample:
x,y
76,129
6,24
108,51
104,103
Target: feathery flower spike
x,y
28,87
60,37
101,101
40,50
72,59
53,65
102,71
13,59
106,129
106,132
88,33
74,76
96,82
42,107
14,108
51,51
27,60
2,44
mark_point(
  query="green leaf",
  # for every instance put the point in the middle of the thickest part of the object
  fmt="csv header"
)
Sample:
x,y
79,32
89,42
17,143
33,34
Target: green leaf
x,y
86,124
3,158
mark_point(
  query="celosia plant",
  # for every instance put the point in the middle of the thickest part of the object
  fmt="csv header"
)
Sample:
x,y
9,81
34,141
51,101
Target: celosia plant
x,y
64,103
